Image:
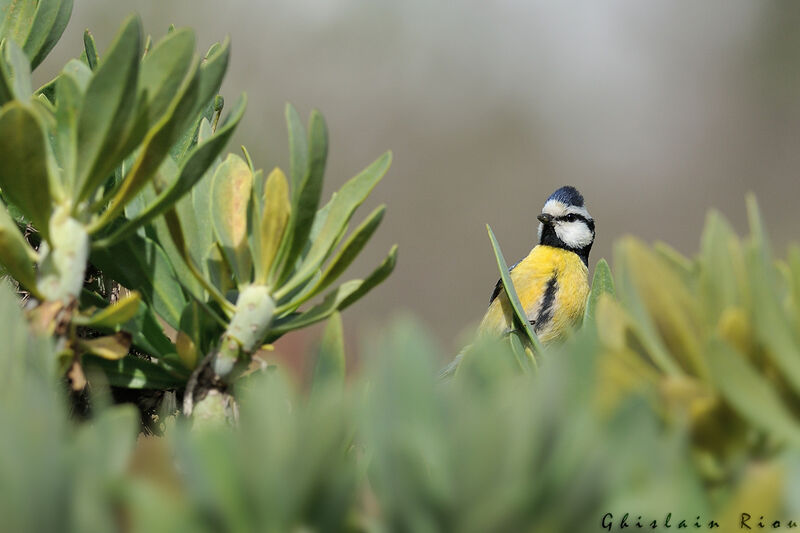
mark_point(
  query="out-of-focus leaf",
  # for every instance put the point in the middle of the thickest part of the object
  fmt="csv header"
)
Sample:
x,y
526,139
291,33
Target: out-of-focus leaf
x,y
134,373
752,396
770,323
90,48
602,283
298,150
670,305
16,20
641,320
187,350
717,275
794,266
24,176
349,197
112,93
232,186
277,210
15,73
148,333
139,262
16,256
759,494
111,347
199,331
35,26
330,365
521,354
114,315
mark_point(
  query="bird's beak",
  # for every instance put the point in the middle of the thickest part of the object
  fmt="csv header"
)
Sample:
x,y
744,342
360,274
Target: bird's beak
x,y
545,218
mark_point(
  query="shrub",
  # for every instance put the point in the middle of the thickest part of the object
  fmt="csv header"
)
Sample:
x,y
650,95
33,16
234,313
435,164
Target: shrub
x,y
115,165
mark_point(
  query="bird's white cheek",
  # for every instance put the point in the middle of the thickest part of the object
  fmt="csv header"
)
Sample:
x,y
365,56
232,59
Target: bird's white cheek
x,y
540,232
574,234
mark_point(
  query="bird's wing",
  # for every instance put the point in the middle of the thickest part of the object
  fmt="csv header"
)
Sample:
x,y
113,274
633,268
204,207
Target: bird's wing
x,y
499,286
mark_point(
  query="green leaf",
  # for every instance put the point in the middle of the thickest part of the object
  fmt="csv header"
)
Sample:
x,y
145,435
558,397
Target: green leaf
x,y
110,100
719,256
770,322
212,70
80,73
139,262
752,396
114,315
111,347
522,355
191,172
330,367
347,253
16,255
169,233
643,324
520,318
163,71
272,227
16,18
305,201
134,373
351,195
602,283
148,333
24,175
49,22
151,157
231,188
91,50
337,300
330,304
373,280
15,73
298,151
64,140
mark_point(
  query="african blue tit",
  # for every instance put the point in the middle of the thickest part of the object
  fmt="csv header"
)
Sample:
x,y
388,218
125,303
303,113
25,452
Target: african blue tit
x,y
552,282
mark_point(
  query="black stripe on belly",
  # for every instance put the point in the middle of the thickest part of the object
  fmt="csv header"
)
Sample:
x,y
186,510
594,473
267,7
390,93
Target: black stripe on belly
x,y
548,301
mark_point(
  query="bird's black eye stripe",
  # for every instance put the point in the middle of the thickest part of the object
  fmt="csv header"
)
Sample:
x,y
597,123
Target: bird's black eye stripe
x,y
572,217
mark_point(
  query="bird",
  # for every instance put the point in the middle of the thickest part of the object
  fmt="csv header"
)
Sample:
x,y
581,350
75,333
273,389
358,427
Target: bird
x,y
552,281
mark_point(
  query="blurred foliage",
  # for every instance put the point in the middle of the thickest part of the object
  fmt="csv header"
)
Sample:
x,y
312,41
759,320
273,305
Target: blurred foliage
x,y
393,451
604,428
713,341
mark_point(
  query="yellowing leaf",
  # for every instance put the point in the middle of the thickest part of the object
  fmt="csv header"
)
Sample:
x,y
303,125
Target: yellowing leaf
x,y
277,209
187,350
112,347
233,182
115,314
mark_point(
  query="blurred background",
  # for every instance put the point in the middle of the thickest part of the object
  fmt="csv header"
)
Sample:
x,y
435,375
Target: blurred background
x,y
656,111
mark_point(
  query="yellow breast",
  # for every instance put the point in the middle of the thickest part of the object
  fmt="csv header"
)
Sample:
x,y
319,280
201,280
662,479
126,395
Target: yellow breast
x,y
552,285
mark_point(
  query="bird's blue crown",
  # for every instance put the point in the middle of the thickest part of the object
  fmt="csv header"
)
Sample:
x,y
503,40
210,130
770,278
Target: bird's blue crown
x,y
568,195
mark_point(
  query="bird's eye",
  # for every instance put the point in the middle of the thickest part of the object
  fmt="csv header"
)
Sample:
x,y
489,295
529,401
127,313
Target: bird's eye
x,y
571,218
